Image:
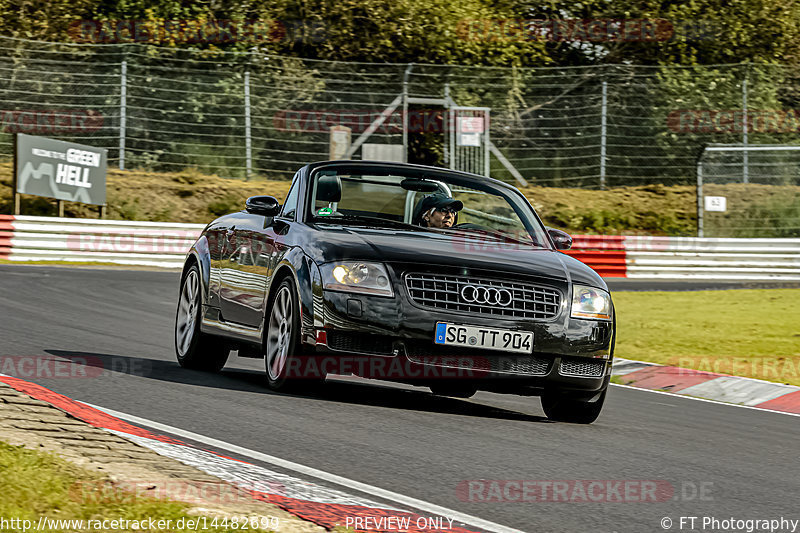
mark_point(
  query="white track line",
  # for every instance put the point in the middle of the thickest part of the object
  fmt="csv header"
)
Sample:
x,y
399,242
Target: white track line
x,y
678,395
319,474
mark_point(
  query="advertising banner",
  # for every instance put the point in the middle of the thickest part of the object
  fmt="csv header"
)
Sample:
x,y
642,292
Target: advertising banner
x,y
61,170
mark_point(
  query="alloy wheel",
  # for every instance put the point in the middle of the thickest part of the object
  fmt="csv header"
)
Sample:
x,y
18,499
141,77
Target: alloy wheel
x,y
279,333
187,313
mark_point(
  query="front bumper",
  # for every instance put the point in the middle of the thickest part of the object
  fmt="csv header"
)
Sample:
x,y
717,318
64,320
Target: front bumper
x,y
392,339
491,372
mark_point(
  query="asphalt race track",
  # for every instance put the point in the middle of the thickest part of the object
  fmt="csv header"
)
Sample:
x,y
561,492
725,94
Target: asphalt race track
x,y
722,461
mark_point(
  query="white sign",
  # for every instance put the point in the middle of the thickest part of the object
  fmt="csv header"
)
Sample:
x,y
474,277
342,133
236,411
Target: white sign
x,y
716,203
471,124
61,170
469,139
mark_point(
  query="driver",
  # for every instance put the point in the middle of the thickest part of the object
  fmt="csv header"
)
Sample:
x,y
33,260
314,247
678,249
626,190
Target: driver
x,y
437,211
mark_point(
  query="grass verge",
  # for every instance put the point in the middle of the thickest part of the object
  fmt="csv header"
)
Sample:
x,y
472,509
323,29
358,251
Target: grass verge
x,y
87,264
190,196
37,484
743,332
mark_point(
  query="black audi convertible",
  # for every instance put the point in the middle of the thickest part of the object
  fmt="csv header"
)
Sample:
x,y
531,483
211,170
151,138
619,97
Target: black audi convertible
x,y
400,272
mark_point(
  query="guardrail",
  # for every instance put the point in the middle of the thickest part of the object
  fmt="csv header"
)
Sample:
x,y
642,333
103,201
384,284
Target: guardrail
x,y
689,257
27,238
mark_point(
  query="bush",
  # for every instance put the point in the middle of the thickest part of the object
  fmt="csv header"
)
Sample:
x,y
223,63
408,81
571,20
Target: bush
x,y
225,205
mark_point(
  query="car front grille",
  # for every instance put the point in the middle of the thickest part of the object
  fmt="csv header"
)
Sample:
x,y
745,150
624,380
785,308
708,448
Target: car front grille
x,y
342,341
471,359
445,292
583,369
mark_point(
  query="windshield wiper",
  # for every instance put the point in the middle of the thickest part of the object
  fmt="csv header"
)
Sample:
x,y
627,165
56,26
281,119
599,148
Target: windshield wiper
x,y
370,220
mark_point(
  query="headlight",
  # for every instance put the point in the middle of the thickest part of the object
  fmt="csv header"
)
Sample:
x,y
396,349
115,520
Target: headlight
x,y
588,302
355,276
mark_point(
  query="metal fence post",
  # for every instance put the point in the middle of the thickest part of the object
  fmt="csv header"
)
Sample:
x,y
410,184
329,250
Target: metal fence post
x,y
486,141
603,111
247,139
15,199
123,97
700,195
405,111
446,143
452,132
745,154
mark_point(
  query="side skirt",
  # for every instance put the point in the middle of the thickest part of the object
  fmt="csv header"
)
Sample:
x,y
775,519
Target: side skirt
x,y
213,324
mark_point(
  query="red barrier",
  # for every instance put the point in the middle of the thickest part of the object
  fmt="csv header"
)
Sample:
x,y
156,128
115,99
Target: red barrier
x,y
6,222
609,264
605,254
598,242
6,232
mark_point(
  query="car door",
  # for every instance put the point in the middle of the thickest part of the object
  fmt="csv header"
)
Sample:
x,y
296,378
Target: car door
x,y
244,271
251,252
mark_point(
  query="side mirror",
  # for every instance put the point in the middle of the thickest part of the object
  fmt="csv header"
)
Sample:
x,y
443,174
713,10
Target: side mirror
x,y
561,239
267,206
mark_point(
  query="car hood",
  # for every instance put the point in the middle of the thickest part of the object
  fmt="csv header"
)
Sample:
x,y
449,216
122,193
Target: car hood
x,y
335,243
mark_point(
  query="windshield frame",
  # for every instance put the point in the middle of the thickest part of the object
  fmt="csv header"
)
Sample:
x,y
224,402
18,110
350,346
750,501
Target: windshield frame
x,y
517,201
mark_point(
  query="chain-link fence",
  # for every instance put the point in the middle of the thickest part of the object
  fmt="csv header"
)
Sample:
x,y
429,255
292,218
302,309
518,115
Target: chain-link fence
x,y
749,191
250,114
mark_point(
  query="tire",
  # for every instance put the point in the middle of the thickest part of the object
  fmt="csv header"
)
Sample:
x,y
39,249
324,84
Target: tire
x,y
455,391
562,408
194,349
282,346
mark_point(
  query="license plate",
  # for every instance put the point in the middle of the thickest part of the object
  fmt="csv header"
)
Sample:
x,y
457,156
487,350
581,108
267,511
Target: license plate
x,y
486,338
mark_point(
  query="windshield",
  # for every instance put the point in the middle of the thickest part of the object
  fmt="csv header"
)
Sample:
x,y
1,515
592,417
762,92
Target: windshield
x,y
422,201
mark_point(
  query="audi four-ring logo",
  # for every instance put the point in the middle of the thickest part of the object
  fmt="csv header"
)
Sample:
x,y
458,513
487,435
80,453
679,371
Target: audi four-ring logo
x,y
481,294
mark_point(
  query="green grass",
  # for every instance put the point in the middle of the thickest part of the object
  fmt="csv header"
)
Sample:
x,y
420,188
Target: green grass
x,y
747,332
35,484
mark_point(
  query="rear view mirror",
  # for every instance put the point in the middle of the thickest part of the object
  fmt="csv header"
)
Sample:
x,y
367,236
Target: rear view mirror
x,y
561,239
267,206
415,184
